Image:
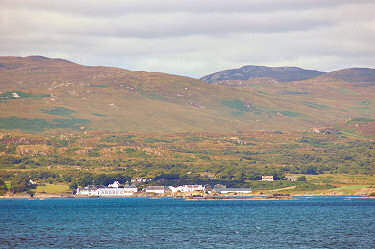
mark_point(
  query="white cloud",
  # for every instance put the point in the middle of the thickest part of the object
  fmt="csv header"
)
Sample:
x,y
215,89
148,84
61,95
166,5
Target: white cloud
x,y
192,37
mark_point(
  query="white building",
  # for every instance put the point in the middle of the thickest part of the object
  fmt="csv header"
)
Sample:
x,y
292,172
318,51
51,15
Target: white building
x,y
112,190
157,189
187,188
291,178
116,184
140,180
222,189
84,191
130,188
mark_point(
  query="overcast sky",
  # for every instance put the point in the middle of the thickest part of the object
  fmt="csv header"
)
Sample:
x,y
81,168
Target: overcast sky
x,y
192,37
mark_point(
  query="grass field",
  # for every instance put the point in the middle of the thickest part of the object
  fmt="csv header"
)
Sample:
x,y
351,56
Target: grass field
x,y
351,187
282,189
342,184
52,189
341,179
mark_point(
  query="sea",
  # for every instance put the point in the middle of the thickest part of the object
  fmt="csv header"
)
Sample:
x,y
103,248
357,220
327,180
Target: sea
x,y
311,222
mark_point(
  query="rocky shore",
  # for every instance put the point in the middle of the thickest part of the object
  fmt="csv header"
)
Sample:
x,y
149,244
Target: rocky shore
x,y
256,198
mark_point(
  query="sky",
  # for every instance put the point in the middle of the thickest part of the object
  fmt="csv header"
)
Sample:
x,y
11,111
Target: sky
x,y
192,37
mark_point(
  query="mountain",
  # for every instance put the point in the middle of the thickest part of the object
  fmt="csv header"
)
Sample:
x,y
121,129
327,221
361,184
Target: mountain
x,y
262,75
283,74
39,94
364,76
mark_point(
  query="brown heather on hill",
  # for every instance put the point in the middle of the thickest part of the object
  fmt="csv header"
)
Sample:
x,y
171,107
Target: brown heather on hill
x,y
40,94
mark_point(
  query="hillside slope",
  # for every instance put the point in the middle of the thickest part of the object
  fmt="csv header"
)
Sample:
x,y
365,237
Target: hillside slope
x,y
358,76
40,94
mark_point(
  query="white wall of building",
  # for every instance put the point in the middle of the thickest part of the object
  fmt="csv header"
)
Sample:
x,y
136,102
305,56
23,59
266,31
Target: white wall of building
x,y
187,188
156,191
112,190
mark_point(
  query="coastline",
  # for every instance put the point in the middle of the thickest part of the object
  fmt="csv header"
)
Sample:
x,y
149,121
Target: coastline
x,y
258,194
269,198
189,198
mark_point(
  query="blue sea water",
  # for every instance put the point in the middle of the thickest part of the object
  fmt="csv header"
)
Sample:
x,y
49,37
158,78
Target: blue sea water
x,y
319,222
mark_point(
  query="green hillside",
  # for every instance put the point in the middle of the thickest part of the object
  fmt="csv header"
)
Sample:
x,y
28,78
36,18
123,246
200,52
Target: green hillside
x,y
39,94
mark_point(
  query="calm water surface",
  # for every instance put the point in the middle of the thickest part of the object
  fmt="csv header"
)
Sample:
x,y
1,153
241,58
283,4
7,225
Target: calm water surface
x,y
319,222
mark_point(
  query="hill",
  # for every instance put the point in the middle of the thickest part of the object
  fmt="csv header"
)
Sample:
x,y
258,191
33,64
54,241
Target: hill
x,y
39,94
348,91
359,76
284,74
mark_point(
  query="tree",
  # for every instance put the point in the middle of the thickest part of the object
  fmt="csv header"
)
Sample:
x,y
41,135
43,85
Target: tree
x,y
301,179
30,192
73,185
85,180
3,187
20,184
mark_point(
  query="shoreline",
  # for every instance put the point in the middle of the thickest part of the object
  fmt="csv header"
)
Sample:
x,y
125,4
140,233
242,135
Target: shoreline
x,y
270,198
188,198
